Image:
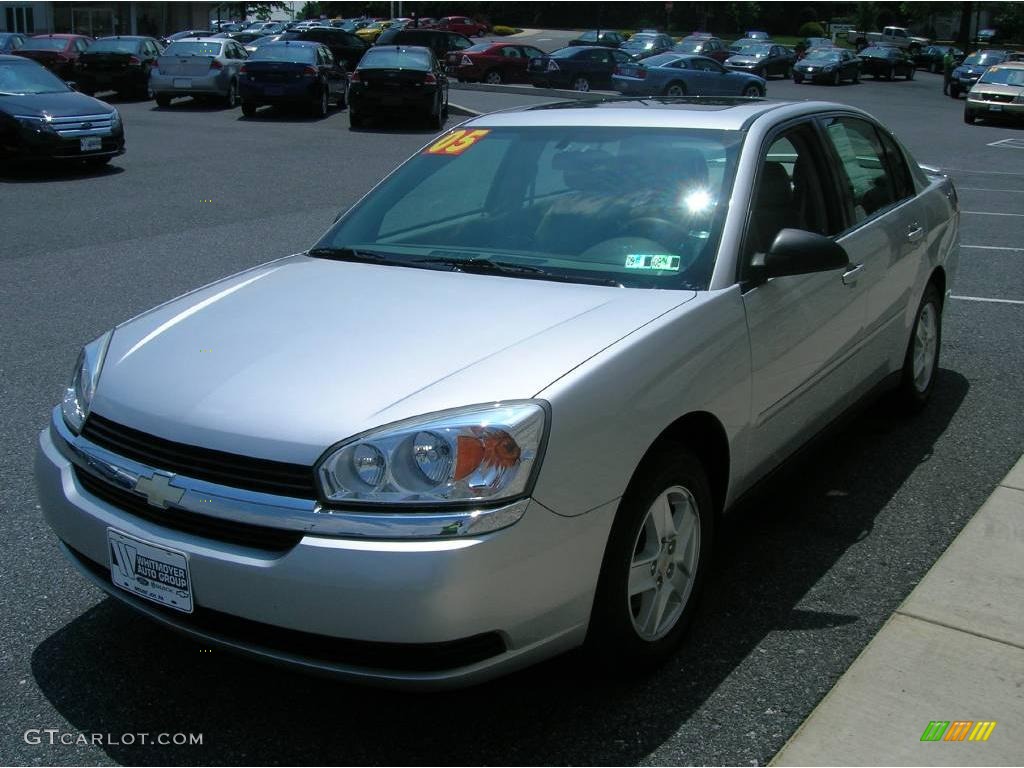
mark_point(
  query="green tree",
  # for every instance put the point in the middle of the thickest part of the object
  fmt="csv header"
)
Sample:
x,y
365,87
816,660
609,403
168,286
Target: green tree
x,y
866,17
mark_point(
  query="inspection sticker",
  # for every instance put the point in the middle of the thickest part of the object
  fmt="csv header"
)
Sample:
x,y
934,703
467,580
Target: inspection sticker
x,y
652,261
456,142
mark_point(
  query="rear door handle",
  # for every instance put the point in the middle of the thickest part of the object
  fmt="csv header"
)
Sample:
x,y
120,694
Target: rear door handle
x,y
850,275
915,232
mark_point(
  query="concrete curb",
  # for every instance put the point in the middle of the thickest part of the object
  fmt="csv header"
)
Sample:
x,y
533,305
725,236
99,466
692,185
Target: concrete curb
x,y
458,109
529,90
954,649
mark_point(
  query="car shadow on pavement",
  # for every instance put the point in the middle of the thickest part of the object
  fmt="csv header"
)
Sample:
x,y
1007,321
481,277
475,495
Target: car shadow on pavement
x,y
52,172
109,671
286,115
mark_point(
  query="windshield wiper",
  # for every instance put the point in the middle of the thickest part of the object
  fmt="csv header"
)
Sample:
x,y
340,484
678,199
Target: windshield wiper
x,y
482,266
352,254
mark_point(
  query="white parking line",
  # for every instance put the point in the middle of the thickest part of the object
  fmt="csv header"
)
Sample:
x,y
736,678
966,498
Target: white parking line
x,y
986,189
993,213
1009,143
991,301
982,173
992,247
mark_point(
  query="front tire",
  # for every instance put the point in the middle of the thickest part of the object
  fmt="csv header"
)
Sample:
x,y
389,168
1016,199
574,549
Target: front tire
x,y
921,363
248,108
954,93
837,78
798,78
657,554
969,116
751,91
910,74
162,100
933,67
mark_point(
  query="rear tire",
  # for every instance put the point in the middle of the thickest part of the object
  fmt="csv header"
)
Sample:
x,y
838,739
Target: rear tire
x,y
933,67
675,90
921,363
493,77
248,108
655,561
231,100
162,100
856,76
354,120
910,74
837,78
892,72
581,84
321,106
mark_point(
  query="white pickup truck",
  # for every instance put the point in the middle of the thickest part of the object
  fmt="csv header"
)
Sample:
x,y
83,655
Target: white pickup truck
x,y
898,36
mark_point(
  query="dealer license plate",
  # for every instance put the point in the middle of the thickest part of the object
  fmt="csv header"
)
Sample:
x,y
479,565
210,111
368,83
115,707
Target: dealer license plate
x,y
150,571
182,82
995,107
91,143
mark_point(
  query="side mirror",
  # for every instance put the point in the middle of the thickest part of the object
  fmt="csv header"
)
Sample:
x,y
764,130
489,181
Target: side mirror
x,y
71,84
798,252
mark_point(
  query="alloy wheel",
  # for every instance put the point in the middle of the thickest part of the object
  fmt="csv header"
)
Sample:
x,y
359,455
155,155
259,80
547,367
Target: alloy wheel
x,y
493,77
926,338
675,90
664,564
581,84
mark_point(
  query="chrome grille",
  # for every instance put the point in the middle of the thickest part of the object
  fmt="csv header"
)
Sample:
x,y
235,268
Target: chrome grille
x,y
83,125
1005,98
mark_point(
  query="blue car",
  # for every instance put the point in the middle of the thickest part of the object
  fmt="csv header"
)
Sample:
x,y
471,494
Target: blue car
x,y
674,74
972,68
292,72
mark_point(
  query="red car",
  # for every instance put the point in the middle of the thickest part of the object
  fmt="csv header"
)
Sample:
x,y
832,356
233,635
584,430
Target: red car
x,y
57,53
463,25
492,63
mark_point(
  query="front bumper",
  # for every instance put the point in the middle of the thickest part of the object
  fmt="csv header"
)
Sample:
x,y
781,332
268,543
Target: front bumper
x,y
817,76
981,105
27,144
521,594
217,84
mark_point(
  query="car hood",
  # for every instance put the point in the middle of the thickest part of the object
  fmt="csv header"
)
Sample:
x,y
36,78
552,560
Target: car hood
x,y
286,359
62,104
971,70
743,60
1000,88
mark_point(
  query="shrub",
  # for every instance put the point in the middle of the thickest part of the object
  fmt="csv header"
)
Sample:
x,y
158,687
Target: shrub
x,y
811,29
502,30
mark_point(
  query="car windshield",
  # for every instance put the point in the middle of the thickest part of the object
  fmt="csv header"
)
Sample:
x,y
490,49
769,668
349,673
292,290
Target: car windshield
x,y
691,46
640,42
24,78
259,42
755,50
190,48
638,207
984,59
588,36
380,58
44,44
480,48
1004,76
305,54
114,46
822,55
564,53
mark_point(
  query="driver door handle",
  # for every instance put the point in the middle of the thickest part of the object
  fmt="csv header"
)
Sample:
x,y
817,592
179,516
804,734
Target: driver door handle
x,y
914,232
850,275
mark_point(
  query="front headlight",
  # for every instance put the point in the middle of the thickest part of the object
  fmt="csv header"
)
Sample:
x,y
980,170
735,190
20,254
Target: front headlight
x,y
36,123
480,454
115,119
78,396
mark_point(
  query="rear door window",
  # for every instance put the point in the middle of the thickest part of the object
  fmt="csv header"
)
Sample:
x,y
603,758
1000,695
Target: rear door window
x,y
867,184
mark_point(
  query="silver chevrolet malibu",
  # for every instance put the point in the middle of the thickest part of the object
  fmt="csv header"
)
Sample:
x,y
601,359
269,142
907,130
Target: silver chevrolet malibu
x,y
497,410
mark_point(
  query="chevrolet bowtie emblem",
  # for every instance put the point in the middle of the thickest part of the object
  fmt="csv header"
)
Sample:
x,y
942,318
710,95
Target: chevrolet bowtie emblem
x,y
158,490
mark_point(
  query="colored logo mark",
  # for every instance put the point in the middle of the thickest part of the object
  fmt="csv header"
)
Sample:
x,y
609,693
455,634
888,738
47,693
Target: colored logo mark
x,y
958,730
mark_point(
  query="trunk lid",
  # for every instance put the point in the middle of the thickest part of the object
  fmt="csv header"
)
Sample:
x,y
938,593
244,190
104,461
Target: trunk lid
x,y
185,66
275,71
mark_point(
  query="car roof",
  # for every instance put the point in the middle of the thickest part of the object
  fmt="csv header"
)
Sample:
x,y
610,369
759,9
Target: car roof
x,y
721,113
401,48
59,35
124,37
1011,65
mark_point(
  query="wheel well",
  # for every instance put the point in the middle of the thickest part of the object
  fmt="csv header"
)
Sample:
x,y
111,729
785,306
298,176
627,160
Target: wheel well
x,y
703,434
939,278
680,83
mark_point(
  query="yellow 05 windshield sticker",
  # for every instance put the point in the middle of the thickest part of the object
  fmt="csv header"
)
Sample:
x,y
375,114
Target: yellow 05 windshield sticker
x,y
456,142
652,261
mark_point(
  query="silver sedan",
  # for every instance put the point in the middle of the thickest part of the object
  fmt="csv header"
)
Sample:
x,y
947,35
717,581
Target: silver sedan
x,y
440,446
204,68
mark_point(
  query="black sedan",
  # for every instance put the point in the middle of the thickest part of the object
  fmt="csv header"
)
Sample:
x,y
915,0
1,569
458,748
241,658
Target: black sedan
x,y
931,57
581,68
119,64
292,73
346,48
609,38
644,44
41,118
885,61
827,65
398,79
763,60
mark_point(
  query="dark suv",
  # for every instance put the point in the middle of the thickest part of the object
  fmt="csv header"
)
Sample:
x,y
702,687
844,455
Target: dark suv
x,y
440,41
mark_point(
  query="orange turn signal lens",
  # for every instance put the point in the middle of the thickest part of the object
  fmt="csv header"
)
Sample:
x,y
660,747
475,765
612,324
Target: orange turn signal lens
x,y
489,448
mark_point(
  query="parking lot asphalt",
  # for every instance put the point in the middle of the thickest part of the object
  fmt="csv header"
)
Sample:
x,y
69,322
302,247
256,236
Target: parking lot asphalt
x,y
806,572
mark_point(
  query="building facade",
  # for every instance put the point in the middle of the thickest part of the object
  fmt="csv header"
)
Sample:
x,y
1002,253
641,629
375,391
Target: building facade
x,y
98,19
